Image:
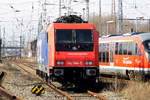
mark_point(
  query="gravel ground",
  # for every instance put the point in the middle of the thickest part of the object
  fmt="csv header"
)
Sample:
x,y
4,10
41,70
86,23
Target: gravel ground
x,y
20,84
3,98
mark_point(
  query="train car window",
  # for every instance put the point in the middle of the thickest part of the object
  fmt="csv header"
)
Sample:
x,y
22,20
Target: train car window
x,y
120,48
104,52
124,48
147,45
127,48
133,48
130,48
116,48
137,50
111,51
128,43
101,52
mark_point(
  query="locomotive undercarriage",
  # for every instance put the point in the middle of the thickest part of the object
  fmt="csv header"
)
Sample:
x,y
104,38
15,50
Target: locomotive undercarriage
x,y
71,76
76,76
138,75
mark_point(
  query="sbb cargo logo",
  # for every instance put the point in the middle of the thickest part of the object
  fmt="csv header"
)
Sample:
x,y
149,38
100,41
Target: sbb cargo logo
x,y
38,90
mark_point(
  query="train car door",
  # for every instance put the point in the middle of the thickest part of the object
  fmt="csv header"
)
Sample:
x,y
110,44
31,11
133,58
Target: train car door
x,y
111,53
138,59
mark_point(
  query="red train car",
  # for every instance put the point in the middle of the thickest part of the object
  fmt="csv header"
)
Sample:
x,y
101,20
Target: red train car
x,y
127,54
72,53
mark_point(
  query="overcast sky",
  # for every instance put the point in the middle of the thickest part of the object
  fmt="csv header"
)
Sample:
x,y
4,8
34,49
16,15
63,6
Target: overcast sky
x,y
14,12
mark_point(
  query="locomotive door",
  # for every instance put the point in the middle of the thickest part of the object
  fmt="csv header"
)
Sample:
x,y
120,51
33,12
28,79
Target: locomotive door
x,y
111,53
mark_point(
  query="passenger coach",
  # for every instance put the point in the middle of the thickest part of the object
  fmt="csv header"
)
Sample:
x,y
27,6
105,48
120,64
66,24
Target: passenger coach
x,y
68,52
127,54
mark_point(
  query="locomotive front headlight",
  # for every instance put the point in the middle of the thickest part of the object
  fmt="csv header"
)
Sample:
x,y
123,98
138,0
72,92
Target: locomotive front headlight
x,y
88,62
60,62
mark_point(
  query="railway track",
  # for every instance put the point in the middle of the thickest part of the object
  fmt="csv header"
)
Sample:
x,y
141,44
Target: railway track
x,y
8,95
89,95
4,92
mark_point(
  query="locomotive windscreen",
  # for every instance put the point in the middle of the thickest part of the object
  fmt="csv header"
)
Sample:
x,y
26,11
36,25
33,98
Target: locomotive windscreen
x,y
147,47
74,40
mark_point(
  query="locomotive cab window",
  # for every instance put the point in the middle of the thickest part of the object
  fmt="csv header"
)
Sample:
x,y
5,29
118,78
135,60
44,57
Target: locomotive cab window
x,y
74,40
147,47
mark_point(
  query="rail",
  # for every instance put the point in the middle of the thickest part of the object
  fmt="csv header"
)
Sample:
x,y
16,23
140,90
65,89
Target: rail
x,y
8,95
97,95
26,69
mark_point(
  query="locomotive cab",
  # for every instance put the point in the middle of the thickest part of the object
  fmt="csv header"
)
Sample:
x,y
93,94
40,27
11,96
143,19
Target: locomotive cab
x,y
75,52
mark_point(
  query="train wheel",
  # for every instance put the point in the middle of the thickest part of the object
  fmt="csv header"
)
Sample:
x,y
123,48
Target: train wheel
x,y
40,73
49,80
46,77
139,76
131,75
37,72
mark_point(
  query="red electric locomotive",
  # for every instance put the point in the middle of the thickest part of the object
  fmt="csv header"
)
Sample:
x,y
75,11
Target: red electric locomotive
x,y
127,54
68,53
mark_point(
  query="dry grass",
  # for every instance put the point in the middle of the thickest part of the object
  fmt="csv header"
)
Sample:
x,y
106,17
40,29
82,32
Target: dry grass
x,y
137,91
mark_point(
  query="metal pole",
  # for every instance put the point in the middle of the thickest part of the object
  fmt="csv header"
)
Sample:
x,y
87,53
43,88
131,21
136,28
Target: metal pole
x,y
100,17
20,45
87,9
4,42
149,24
69,7
120,17
136,27
59,8
114,14
107,28
83,13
